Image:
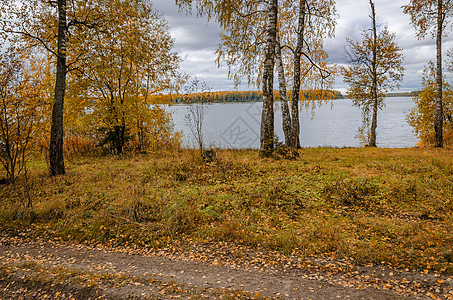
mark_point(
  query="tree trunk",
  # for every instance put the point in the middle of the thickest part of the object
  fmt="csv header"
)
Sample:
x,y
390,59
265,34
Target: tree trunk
x,y
438,118
267,118
141,136
295,125
118,138
56,132
372,141
286,117
12,171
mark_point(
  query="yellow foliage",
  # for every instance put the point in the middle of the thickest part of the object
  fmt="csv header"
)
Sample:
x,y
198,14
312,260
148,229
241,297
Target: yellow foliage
x,y
116,94
424,14
421,117
360,76
23,109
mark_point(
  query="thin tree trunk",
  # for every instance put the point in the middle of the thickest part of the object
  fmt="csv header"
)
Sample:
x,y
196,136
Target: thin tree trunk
x,y
123,133
56,132
267,118
121,130
438,118
286,116
372,142
12,171
141,136
295,125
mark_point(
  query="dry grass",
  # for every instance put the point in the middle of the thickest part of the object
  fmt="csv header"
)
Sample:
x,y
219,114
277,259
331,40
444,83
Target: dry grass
x,y
371,205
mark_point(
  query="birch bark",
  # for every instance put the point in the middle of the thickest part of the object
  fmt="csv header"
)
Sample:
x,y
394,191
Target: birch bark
x,y
267,118
295,125
438,118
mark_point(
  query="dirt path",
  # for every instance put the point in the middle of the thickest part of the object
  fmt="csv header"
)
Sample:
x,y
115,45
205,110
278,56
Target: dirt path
x,y
122,275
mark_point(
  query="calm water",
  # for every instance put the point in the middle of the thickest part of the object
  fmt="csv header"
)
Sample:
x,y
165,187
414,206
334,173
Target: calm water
x,y
237,125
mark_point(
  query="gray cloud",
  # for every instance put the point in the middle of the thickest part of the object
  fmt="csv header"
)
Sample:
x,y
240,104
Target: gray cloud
x,y
196,40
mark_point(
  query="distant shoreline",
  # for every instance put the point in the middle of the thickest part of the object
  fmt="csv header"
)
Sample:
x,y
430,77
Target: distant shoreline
x,y
402,95
242,96
254,96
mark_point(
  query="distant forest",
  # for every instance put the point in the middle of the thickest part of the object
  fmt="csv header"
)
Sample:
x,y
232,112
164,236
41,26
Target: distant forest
x,y
245,96
406,94
256,96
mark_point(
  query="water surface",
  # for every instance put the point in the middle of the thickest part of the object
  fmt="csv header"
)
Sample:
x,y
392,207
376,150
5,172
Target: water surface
x,y
335,124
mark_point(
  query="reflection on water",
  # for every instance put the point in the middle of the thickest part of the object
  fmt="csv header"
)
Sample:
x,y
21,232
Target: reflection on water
x,y
237,125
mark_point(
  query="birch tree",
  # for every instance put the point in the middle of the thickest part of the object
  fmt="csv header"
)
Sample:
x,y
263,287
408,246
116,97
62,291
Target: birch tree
x,y
303,26
51,26
22,101
132,61
267,117
299,56
433,16
198,96
375,68
421,117
247,19
245,49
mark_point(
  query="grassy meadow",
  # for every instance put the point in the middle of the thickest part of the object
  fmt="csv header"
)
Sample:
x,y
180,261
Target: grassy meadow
x,y
391,206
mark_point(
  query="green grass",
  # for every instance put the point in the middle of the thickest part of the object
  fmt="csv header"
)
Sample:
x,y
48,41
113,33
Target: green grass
x,y
371,205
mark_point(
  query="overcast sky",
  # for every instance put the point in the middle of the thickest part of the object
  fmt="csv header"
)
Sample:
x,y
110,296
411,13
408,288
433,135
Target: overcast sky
x,y
196,41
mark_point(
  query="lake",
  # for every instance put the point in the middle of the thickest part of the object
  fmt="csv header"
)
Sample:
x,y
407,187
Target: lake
x,y
335,124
